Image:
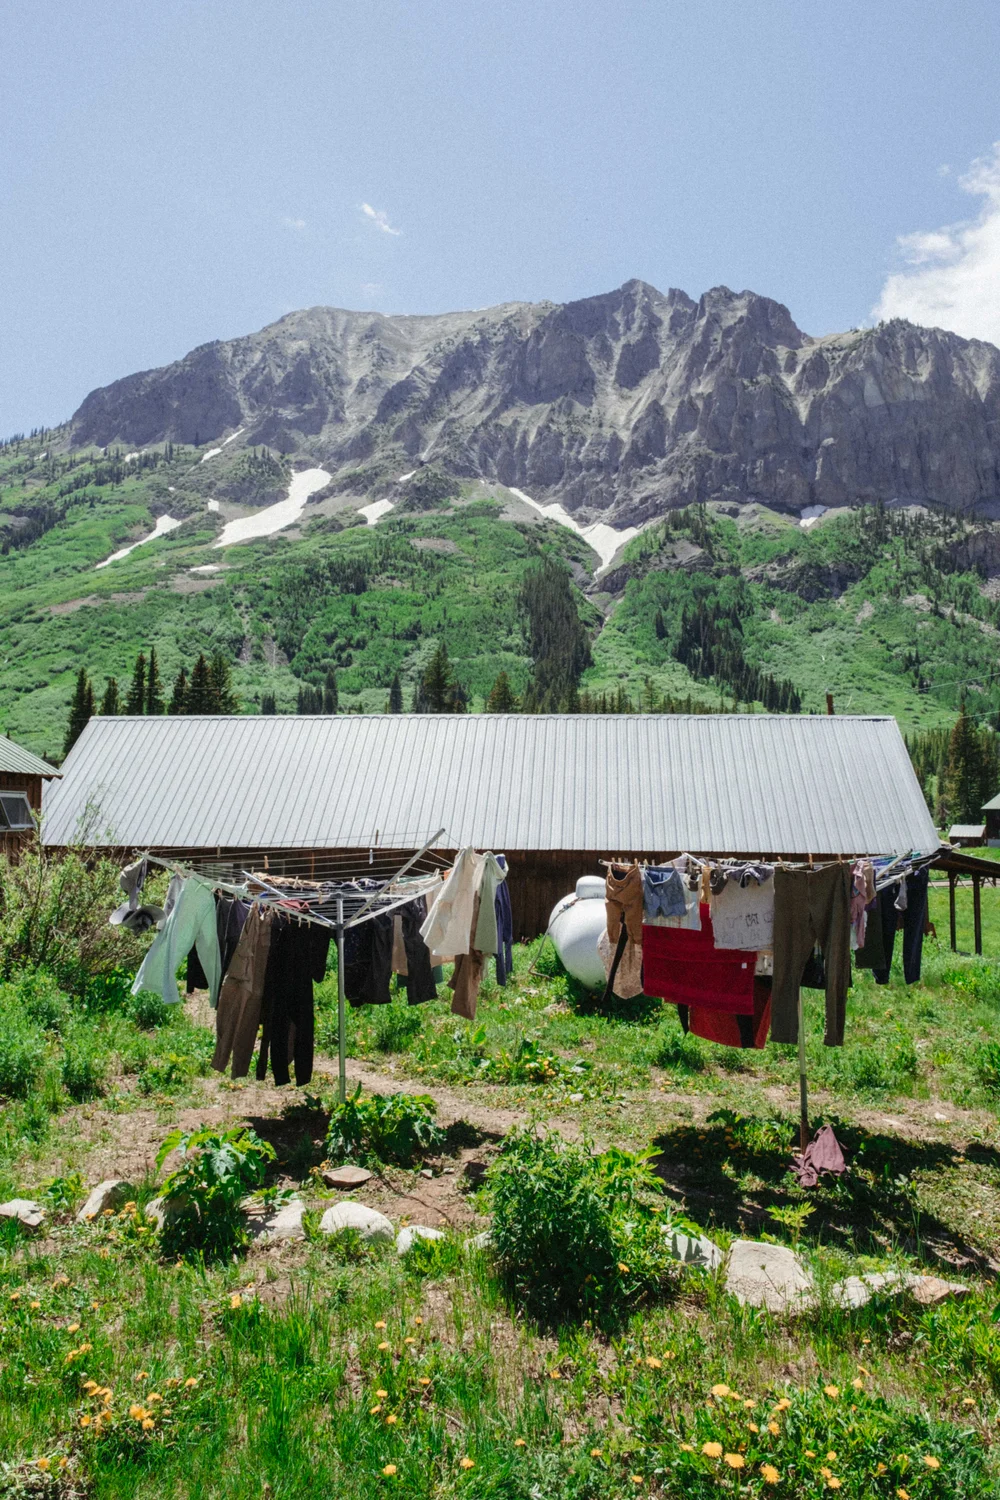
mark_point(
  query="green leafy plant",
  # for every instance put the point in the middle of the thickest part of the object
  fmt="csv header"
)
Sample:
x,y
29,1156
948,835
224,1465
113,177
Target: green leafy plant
x,y
576,1234
202,1197
792,1216
22,1053
84,1064
65,1193
384,1127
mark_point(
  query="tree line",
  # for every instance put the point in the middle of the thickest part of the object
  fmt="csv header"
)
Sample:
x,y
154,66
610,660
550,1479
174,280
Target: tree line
x,y
206,689
958,768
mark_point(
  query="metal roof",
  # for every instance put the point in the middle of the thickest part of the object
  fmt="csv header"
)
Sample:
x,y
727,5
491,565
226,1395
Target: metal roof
x,y
966,830
993,804
708,783
16,761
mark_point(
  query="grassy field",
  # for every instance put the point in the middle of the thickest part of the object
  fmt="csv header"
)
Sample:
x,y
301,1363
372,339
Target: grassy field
x,y
320,1364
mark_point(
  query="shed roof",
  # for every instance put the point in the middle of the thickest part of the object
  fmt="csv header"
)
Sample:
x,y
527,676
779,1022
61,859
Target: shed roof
x,y
966,830
16,761
993,804
709,783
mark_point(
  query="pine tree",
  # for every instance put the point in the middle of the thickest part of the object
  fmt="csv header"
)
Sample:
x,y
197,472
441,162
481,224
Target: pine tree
x,y
80,709
135,703
154,687
331,696
178,698
111,702
969,775
502,698
396,696
200,696
659,625
223,699
268,704
439,691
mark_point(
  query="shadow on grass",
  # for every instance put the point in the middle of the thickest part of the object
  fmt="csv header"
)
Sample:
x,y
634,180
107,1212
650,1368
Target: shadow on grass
x,y
733,1170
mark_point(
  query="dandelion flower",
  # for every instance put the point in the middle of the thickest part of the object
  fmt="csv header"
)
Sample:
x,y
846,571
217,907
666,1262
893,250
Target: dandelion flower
x,y
90,1386
95,1306
773,1428
864,1372
858,1383
753,1427
419,1322
931,1461
712,1450
172,1382
636,1478
35,1306
466,1463
833,1391
137,1411
409,1341
73,1328
43,1464
385,1345
833,1483
84,1421
880,1468
810,1453
969,1401
381,1395
831,1458
373,1411
623,1268
520,1443
653,1363
423,1380
142,1375
594,1452
389,1470
687,1447
236,1300
826,1473
769,1473
63,1462
749,1404
190,1383
735,1460
902,1495
380,1324
554,1375
783,1404
148,1424
720,1390
391,1420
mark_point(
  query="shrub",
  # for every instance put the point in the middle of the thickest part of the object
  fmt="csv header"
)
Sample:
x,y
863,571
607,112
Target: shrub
x,y
149,1010
22,1053
39,997
385,1127
395,1027
576,1234
202,1197
84,1064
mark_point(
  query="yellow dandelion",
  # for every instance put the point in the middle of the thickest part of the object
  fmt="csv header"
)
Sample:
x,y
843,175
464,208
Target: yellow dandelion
x,y
636,1478
391,1421
831,1458
687,1447
880,1468
154,1396
810,1453
554,1375
142,1375
73,1328
623,1268
735,1460
43,1464
419,1322
783,1404
389,1470
409,1341
833,1391
190,1383
60,1280
832,1483
385,1345
520,1443
858,1383
148,1424
380,1324
373,1411
423,1380
902,1495
236,1300
712,1450
826,1473
753,1427
15,1295
136,1411
381,1395
653,1362
969,1401
172,1383
594,1452
90,1386
749,1404
773,1428
63,1462
35,1306
84,1421
466,1463
931,1461
769,1474
720,1390
95,1306
866,1373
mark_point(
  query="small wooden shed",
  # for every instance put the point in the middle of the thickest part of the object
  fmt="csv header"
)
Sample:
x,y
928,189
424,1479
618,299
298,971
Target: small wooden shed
x,y
22,775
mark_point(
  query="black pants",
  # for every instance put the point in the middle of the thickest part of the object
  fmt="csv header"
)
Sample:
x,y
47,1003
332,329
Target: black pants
x,y
914,921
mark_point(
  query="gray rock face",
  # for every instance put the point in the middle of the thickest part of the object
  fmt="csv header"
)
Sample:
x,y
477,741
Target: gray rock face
x,y
28,1214
111,1193
770,1276
285,1223
408,1237
369,1223
695,1250
620,405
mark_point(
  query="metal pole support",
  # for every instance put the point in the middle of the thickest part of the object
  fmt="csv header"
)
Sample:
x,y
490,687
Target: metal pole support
x,y
341,1012
803,1087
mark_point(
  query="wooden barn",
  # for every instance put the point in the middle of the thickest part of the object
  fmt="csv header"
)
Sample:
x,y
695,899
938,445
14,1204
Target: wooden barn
x,y
22,776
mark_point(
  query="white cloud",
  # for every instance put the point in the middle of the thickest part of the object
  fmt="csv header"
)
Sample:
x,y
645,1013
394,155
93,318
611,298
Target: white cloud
x,y
379,218
290,223
952,275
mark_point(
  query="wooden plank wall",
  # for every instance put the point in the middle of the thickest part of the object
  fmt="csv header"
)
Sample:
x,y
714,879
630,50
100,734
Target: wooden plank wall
x,y
31,786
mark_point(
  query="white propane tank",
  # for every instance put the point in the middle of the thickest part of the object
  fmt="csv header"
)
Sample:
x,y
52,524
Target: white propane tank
x,y
574,927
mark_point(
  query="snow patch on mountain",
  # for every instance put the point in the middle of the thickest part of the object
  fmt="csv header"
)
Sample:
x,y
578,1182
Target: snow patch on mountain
x,y
275,517
604,539
163,525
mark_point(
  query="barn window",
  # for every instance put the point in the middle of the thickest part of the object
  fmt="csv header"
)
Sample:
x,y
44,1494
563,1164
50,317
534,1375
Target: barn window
x,y
15,811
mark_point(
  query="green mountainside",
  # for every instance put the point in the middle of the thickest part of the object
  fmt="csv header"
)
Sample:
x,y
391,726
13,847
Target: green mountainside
x,y
890,610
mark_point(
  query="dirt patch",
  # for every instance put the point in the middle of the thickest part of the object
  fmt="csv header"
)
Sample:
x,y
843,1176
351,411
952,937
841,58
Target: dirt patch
x,y
441,544
183,584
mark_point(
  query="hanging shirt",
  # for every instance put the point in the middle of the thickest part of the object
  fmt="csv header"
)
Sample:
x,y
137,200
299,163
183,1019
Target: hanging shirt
x,y
486,937
190,923
448,926
743,914
663,894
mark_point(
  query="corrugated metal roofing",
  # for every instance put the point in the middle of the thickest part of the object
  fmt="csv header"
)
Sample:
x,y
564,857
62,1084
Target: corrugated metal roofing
x,y
740,783
993,804
16,761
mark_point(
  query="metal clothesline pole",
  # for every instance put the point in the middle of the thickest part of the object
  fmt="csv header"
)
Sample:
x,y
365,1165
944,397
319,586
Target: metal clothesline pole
x,y
341,1012
803,1085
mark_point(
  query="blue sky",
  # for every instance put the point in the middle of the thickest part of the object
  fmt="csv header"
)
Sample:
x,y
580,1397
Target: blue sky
x,y
174,171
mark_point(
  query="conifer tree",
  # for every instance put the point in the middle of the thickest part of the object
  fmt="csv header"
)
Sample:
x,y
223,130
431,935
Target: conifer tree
x,y
111,702
967,781
331,696
502,698
396,695
135,703
268,704
439,692
178,698
154,686
80,709
224,700
200,696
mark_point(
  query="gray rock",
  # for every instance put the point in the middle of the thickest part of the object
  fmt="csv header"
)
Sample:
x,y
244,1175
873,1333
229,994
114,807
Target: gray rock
x,y
29,1215
771,1276
478,1242
695,1250
346,1178
158,1211
929,1290
111,1193
369,1223
407,1238
856,1291
285,1223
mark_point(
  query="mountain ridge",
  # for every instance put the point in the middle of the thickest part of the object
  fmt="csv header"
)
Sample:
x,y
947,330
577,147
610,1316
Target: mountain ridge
x,y
621,406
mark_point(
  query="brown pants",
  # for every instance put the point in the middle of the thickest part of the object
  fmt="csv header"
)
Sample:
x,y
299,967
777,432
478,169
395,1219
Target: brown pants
x,y
810,907
467,975
623,903
238,1015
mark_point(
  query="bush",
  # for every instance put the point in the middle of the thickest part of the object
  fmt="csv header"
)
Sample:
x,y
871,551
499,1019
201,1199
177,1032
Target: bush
x,y
202,1197
22,1053
39,997
384,1127
149,1010
84,1064
576,1234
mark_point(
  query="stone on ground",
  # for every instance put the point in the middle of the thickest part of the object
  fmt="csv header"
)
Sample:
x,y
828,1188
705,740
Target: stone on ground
x,y
930,1290
111,1193
856,1291
346,1178
478,1241
695,1250
408,1237
770,1276
369,1223
28,1214
285,1223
